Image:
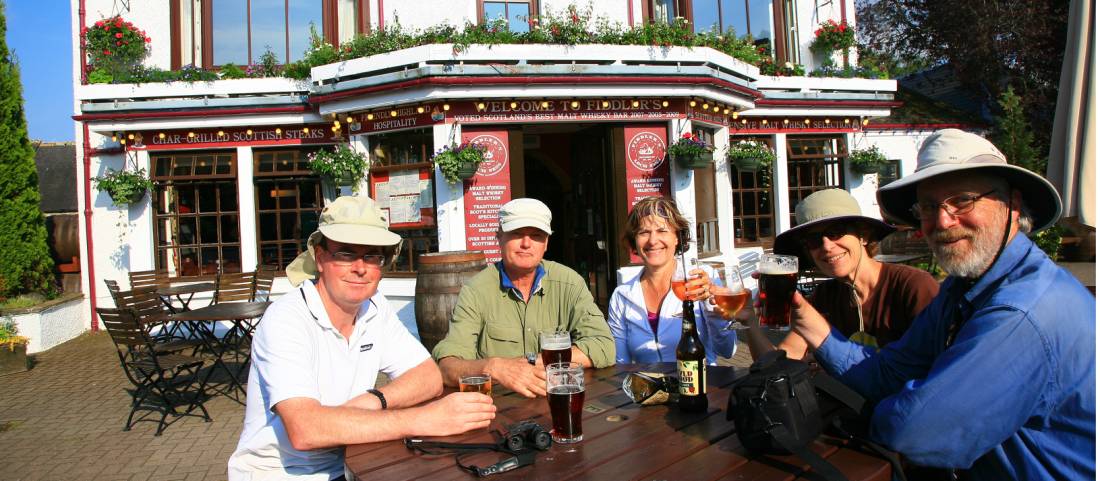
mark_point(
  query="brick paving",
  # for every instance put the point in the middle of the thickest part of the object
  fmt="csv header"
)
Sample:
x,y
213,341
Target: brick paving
x,y
63,420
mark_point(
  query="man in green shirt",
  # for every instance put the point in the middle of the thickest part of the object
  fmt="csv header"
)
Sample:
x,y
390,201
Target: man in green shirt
x,y
500,311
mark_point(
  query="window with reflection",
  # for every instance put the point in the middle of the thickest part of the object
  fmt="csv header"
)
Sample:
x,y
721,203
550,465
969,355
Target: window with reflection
x,y
743,17
288,204
753,209
401,181
813,164
516,12
196,213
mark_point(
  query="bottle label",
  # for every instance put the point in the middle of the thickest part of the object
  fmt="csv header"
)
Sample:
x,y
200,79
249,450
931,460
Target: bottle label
x,y
691,381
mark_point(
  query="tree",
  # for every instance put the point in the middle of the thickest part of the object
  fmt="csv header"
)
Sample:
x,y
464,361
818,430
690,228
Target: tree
x,y
1014,137
25,263
991,45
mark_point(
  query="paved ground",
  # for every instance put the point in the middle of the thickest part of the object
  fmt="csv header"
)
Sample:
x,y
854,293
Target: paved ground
x,y
63,420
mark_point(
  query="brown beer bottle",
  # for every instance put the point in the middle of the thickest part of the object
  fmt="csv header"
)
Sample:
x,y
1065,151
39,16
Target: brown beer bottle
x,y
691,362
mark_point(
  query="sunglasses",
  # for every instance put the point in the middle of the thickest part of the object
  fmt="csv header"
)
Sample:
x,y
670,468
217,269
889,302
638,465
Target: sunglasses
x,y
813,240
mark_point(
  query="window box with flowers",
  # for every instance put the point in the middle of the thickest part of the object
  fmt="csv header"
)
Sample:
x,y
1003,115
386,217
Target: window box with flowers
x,y
751,155
124,186
341,165
459,162
691,152
867,161
116,49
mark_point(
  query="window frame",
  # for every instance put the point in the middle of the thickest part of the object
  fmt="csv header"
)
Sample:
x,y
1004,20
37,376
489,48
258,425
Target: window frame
x,y
755,192
784,24
831,165
161,184
295,176
329,21
392,152
532,6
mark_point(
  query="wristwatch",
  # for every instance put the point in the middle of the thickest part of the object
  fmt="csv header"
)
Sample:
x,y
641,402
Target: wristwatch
x,y
381,398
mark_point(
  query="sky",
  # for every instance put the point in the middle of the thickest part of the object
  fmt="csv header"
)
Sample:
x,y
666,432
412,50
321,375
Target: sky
x,y
39,33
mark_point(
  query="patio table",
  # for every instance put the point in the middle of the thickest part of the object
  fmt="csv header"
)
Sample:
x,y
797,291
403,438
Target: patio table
x,y
622,440
178,291
240,314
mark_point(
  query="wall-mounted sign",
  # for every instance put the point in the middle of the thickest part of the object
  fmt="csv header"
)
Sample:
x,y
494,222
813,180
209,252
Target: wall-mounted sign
x,y
235,136
719,117
647,169
406,117
405,196
773,125
487,191
564,110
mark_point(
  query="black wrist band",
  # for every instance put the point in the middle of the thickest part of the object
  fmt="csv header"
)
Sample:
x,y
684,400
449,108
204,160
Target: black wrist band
x,y
381,398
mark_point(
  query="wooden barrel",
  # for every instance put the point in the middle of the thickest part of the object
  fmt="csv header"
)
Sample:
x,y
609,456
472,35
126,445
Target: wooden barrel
x,y
439,277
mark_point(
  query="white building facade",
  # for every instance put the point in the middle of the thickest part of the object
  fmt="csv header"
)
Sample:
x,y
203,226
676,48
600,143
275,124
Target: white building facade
x,y
581,127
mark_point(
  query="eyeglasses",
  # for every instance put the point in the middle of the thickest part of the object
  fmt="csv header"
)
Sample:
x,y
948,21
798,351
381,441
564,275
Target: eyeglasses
x,y
954,206
344,258
812,240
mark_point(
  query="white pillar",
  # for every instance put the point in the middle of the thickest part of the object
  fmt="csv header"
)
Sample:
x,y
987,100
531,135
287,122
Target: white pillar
x,y
246,203
140,222
683,183
723,192
450,208
779,183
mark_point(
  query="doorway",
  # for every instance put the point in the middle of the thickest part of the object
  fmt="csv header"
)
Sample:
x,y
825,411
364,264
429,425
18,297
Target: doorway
x,y
568,167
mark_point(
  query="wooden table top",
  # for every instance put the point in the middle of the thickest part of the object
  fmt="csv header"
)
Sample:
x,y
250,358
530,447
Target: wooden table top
x,y
622,440
225,311
181,289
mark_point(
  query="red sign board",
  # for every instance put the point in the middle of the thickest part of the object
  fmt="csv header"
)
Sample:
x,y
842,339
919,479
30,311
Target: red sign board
x,y
487,191
765,125
647,169
578,110
383,120
235,136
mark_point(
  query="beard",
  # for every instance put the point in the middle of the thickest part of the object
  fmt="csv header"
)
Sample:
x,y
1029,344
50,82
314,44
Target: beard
x,y
972,259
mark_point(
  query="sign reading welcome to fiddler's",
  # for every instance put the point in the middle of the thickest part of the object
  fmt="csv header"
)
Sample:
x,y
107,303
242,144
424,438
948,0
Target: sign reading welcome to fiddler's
x,y
487,191
558,110
229,137
647,169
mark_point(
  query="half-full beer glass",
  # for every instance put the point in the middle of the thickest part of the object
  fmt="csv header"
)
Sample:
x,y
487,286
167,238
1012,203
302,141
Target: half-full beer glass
x,y
481,383
778,277
565,392
556,347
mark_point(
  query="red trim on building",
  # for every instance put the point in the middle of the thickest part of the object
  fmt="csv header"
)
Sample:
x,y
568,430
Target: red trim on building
x,y
630,13
194,113
381,16
90,261
525,80
919,126
827,103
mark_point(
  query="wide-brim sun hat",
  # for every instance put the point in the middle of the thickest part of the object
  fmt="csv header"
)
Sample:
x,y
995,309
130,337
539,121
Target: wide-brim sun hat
x,y
826,207
952,151
350,220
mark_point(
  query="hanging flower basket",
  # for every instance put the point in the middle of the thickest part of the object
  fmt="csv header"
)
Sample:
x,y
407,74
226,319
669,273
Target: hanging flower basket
x,y
751,155
459,162
690,152
124,186
867,161
341,165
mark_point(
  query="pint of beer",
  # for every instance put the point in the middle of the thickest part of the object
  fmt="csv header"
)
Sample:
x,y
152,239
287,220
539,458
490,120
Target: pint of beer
x,y
556,347
481,383
565,393
778,278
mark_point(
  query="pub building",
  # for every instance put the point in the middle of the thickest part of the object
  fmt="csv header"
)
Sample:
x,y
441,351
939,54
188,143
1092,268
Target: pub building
x,y
582,128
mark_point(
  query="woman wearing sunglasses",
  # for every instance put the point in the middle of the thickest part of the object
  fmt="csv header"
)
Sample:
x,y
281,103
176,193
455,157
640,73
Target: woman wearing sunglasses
x,y
869,301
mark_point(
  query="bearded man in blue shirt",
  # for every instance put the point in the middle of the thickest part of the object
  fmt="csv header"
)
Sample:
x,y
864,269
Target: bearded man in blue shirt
x,y
997,375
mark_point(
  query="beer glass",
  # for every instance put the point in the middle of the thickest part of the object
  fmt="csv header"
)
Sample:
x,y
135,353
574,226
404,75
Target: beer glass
x,y
778,278
556,347
565,393
683,280
730,294
482,383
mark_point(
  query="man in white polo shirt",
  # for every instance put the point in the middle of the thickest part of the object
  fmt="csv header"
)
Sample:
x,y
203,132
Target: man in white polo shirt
x,y
318,350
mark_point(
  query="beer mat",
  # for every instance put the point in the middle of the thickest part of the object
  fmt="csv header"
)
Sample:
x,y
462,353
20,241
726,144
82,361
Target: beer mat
x,y
594,409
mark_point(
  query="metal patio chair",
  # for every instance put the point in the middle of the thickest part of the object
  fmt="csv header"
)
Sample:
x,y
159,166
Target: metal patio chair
x,y
162,381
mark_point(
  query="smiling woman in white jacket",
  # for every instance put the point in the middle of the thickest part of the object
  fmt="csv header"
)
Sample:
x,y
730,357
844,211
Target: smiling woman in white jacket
x,y
644,315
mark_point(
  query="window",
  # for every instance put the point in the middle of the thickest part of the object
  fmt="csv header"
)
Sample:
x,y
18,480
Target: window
x,y
516,12
889,172
813,164
215,32
401,179
744,17
753,209
706,203
196,218
288,204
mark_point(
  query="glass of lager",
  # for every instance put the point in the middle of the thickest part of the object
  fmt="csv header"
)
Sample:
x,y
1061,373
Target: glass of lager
x,y
556,347
730,294
482,383
778,277
565,392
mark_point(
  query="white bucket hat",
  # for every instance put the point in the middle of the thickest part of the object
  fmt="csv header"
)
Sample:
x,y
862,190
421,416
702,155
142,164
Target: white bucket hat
x,y
950,151
825,207
351,220
520,213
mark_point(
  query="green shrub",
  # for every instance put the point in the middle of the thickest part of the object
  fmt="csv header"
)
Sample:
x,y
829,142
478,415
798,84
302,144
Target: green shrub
x,y
232,71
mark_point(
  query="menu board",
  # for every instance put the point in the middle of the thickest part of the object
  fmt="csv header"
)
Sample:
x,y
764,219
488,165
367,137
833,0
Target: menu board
x,y
487,191
405,196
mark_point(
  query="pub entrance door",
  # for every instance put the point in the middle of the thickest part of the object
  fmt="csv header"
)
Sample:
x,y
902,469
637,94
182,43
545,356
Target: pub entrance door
x,y
569,168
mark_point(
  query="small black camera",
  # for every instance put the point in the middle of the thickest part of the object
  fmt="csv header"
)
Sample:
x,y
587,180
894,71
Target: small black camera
x,y
527,435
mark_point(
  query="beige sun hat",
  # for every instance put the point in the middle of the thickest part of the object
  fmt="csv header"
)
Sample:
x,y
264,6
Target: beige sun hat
x,y
825,207
524,212
952,151
351,220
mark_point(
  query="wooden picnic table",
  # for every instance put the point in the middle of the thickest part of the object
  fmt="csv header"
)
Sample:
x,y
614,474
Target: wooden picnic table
x,y
622,441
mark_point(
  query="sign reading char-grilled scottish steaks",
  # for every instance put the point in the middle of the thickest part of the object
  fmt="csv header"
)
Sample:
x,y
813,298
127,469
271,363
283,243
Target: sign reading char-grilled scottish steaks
x,y
489,189
647,169
227,137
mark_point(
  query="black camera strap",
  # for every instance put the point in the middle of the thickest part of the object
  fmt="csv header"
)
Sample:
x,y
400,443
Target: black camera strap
x,y
517,459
